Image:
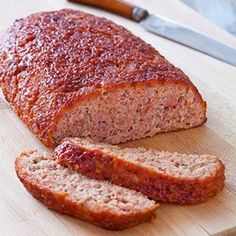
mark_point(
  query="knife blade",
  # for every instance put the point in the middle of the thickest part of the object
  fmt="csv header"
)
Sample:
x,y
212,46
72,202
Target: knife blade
x,y
169,29
190,37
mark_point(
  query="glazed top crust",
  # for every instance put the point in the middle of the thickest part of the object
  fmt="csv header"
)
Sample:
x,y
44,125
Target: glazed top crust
x,y
49,60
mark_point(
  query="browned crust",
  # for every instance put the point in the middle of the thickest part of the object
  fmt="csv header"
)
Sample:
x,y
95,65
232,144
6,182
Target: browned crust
x,y
161,187
41,84
62,204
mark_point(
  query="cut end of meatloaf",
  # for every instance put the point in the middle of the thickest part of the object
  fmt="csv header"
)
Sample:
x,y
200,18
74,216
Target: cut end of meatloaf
x,y
160,175
68,192
132,112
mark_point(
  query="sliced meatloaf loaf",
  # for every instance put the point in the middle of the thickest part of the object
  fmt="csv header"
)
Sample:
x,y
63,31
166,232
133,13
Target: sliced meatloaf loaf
x,y
163,176
98,202
69,73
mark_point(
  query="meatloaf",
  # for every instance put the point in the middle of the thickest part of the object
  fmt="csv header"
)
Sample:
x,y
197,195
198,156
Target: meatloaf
x,y
98,202
162,176
69,73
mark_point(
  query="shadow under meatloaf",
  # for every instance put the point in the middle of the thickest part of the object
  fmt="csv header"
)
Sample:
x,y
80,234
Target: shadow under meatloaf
x,y
69,73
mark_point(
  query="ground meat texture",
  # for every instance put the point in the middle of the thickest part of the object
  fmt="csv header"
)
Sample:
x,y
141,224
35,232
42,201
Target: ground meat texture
x,y
68,73
98,202
163,176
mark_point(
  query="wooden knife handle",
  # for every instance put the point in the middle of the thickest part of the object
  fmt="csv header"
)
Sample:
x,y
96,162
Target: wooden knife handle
x,y
118,7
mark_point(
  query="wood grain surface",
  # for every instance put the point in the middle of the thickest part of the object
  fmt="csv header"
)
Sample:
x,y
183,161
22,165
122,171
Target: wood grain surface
x,y
20,214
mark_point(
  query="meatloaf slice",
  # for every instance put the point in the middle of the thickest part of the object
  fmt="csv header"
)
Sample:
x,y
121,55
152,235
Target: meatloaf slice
x,y
163,176
69,73
98,202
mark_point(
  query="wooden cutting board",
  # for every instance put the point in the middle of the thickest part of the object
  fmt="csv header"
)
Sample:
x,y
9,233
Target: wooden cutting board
x,y
23,215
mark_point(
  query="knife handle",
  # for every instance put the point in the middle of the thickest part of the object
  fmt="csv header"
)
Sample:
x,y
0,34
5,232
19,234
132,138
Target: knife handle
x,y
118,7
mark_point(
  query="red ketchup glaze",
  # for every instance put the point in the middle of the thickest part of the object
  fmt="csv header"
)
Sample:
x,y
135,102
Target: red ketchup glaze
x,y
81,159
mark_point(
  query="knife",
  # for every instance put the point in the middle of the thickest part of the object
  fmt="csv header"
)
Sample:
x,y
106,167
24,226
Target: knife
x,y
167,28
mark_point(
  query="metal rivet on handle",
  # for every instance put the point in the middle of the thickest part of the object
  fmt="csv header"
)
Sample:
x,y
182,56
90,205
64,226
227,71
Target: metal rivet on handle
x,y
139,14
